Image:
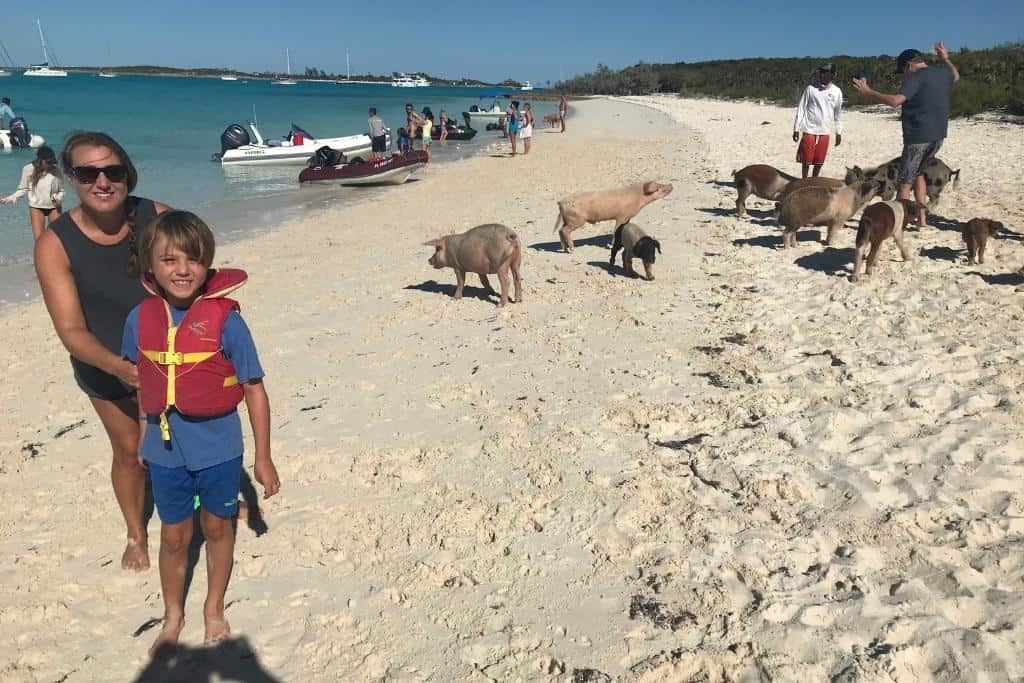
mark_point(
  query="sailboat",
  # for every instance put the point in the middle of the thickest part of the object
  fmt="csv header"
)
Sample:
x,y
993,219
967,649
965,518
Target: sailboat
x,y
7,60
288,63
44,68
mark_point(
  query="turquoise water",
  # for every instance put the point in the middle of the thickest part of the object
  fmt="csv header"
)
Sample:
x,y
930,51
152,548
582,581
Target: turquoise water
x,y
172,126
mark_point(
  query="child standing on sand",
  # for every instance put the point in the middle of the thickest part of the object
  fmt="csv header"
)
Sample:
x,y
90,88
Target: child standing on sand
x,y
428,126
196,361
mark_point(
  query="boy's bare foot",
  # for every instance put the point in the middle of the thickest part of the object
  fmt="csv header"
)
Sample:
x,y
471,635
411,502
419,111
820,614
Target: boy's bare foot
x,y
217,630
167,640
136,556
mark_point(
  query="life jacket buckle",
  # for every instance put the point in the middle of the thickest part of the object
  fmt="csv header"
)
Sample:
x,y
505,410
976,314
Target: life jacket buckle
x,y
170,358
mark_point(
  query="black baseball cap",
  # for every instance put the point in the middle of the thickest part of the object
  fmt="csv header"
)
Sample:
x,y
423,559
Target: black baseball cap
x,y
905,58
830,67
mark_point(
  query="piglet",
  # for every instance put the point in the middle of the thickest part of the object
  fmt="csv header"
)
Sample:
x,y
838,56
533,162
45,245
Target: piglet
x,y
484,250
976,234
635,243
620,205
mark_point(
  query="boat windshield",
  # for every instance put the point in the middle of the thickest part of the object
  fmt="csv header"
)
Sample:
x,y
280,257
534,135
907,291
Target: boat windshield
x,y
305,133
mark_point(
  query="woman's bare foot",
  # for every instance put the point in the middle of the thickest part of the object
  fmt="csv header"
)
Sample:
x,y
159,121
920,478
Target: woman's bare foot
x,y
168,638
217,630
136,556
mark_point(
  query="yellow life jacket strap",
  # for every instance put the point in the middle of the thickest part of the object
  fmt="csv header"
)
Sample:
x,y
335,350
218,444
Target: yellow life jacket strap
x,y
176,357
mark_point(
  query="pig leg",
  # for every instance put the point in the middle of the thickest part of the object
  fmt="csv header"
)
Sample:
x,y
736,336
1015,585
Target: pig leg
x,y
833,231
516,280
858,261
743,188
970,251
487,284
460,282
897,236
627,263
876,251
503,279
981,251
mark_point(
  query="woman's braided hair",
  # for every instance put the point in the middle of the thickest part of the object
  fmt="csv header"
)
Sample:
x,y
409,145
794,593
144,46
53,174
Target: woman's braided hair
x,y
98,139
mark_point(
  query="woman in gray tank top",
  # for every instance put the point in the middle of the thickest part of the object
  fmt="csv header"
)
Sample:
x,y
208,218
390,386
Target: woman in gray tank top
x,y
85,264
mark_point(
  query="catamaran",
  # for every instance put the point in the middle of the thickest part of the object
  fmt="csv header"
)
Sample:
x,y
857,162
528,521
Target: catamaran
x,y
288,67
44,68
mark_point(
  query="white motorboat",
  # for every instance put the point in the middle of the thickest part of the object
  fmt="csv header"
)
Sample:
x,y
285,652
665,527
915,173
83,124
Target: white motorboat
x,y
480,117
403,81
527,86
288,70
237,147
5,141
44,68
229,78
106,74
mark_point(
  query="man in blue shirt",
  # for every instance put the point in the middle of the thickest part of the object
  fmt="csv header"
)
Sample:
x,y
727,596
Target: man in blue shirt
x,y
924,97
5,110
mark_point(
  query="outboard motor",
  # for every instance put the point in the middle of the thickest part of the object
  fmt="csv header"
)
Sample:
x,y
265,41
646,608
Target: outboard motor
x,y
324,156
20,137
465,117
233,137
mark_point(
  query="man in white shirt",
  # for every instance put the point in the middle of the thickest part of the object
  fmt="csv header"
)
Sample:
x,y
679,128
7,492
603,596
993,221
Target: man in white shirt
x,y
818,116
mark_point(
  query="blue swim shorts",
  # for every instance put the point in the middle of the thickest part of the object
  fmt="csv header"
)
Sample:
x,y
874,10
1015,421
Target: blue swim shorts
x,y
175,490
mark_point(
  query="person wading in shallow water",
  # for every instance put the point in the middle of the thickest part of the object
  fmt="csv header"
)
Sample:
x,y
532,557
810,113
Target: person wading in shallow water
x,y
87,268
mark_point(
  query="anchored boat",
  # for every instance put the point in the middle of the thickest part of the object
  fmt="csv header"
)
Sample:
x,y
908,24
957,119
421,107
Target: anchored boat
x,y
236,147
393,170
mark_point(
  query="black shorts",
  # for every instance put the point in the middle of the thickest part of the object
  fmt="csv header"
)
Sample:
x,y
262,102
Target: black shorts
x,y
98,384
379,143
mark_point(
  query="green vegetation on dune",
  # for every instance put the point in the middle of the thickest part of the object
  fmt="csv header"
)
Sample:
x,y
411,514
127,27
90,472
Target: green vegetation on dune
x,y
991,79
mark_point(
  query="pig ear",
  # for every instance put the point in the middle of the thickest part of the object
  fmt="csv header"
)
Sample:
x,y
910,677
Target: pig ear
x,y
650,187
439,242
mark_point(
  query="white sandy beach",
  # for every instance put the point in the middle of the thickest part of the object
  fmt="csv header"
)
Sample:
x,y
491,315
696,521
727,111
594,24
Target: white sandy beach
x,y
749,469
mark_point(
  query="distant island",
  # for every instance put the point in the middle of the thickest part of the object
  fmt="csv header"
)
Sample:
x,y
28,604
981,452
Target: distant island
x,y
310,74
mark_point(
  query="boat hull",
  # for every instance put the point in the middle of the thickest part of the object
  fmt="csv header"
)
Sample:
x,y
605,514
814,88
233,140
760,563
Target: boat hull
x,y
5,141
266,155
461,134
394,170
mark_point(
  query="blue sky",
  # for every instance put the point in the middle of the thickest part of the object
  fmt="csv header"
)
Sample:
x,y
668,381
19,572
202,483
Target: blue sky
x,y
487,39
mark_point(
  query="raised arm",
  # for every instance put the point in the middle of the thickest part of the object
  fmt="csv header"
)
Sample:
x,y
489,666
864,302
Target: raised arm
x,y
943,53
61,297
863,88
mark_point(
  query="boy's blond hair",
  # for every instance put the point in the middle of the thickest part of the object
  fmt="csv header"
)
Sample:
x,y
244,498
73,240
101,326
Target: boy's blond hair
x,y
185,231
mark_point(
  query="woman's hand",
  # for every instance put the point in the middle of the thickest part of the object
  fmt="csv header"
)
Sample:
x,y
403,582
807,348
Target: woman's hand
x,y
126,371
4,200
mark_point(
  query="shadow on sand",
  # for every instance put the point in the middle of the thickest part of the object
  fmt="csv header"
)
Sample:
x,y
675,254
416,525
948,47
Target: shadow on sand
x,y
596,241
1004,279
775,241
434,287
230,660
731,213
829,260
940,254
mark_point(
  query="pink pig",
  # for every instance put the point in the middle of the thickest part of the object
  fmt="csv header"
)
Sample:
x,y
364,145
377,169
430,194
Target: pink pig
x,y
620,204
484,250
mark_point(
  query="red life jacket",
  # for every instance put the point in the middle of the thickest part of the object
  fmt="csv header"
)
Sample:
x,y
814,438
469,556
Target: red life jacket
x,y
185,366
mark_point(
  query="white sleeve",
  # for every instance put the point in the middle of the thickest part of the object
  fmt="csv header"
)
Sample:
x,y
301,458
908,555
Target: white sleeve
x,y
26,176
838,112
801,113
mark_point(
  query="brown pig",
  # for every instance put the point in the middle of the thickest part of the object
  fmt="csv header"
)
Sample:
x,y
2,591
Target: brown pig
x,y
620,205
878,223
484,250
761,180
822,206
976,234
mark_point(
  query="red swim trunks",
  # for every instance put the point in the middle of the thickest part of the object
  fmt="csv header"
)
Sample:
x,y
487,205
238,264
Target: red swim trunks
x,y
812,149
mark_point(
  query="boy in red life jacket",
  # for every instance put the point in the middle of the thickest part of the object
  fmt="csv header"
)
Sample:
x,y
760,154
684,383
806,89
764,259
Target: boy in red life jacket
x,y
196,361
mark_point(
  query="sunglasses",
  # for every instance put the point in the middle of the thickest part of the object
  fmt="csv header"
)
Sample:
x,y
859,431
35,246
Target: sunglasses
x,y
88,174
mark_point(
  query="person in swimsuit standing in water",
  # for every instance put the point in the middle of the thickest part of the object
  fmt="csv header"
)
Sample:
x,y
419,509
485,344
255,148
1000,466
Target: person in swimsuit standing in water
x,y
88,271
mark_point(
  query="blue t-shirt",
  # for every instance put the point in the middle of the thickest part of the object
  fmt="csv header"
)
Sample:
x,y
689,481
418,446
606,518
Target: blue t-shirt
x,y
925,114
198,442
